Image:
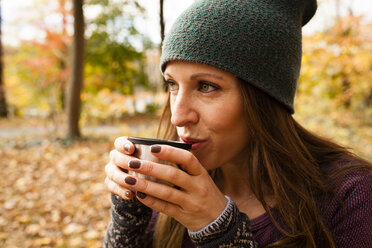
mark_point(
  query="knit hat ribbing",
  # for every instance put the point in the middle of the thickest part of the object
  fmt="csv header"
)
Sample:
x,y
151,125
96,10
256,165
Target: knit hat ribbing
x,y
259,41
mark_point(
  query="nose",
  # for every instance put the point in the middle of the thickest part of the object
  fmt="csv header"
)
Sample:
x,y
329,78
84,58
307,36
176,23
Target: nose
x,y
183,110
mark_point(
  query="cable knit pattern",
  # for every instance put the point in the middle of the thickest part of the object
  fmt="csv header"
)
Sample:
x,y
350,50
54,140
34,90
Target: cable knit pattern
x,y
127,227
223,221
230,229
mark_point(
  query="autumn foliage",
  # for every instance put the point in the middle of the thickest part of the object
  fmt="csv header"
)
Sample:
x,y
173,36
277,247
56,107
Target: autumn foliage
x,y
52,191
337,67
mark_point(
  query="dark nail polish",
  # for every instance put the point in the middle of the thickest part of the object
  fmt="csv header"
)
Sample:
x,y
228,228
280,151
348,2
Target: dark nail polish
x,y
141,195
134,164
130,180
155,149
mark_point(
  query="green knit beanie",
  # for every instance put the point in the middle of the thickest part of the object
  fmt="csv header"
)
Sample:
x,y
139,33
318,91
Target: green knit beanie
x,y
259,41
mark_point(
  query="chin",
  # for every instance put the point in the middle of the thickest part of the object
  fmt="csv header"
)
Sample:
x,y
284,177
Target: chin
x,y
207,159
208,164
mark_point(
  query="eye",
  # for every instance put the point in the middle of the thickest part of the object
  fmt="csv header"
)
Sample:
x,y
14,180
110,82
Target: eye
x,y
206,87
172,86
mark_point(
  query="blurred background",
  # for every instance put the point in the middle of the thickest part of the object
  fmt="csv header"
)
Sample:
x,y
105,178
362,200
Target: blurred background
x,y
65,96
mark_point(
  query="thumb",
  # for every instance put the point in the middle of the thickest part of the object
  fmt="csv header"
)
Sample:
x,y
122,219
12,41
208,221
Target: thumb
x,y
185,159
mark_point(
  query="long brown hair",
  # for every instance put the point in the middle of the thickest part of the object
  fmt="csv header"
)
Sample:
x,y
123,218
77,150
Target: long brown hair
x,y
284,161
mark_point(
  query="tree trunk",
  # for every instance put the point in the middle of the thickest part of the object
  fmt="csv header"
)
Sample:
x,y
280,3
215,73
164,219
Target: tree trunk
x,y
162,35
162,25
76,78
62,58
3,104
346,98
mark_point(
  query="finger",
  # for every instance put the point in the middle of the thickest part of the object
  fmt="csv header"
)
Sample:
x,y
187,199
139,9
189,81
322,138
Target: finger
x,y
123,145
155,189
114,173
120,159
159,205
162,172
118,190
185,159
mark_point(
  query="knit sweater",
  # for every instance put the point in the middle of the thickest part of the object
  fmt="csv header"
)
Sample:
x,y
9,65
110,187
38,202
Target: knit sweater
x,y
348,215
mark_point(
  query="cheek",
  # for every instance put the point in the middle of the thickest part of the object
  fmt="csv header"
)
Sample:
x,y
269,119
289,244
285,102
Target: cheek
x,y
232,138
229,134
229,119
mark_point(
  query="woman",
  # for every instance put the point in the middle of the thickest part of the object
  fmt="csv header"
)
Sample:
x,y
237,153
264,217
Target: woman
x,y
254,177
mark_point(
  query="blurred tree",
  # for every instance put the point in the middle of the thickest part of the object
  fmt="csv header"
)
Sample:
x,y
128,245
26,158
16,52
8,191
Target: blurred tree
x,y
115,55
63,51
38,69
115,49
162,24
76,77
3,104
337,65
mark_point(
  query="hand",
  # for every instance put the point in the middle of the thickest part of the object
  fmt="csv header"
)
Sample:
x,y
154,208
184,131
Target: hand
x,y
116,169
195,202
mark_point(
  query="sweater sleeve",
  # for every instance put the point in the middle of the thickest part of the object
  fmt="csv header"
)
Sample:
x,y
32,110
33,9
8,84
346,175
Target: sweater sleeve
x,y
352,220
230,229
128,223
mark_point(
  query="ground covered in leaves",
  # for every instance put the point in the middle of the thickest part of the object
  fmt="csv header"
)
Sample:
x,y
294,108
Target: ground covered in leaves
x,y
52,191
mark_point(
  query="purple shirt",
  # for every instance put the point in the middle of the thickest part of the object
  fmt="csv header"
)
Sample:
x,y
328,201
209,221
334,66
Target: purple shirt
x,y
348,215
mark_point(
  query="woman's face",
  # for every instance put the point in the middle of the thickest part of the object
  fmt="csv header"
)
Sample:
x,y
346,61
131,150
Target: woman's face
x,y
207,110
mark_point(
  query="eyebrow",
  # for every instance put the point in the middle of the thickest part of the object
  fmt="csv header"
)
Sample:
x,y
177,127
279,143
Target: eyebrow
x,y
194,76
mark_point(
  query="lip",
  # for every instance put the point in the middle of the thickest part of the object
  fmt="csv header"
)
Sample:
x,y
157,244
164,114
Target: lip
x,y
195,143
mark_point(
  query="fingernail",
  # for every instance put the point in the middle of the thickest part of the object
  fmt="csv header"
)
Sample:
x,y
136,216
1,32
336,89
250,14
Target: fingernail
x,y
155,149
128,194
126,147
134,164
141,195
130,180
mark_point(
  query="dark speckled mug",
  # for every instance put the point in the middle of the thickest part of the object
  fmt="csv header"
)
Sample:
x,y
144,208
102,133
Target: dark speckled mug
x,y
143,151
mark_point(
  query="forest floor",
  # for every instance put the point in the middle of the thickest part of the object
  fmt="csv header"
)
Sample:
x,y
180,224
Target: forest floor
x,y
52,191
